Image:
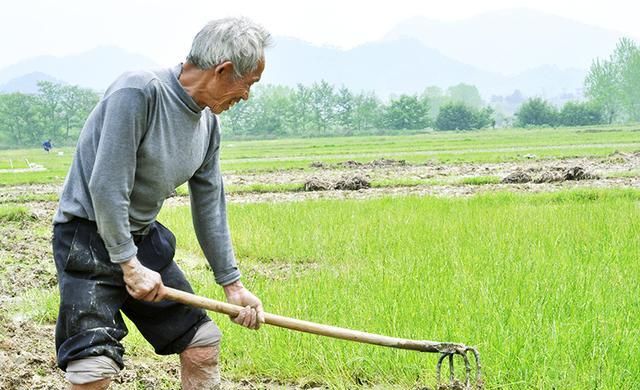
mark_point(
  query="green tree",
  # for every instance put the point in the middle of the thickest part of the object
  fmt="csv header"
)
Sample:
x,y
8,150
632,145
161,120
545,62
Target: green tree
x,y
614,83
407,112
602,87
50,97
631,84
75,105
455,116
484,117
344,108
536,112
21,119
436,98
304,115
274,109
580,114
323,105
366,111
466,94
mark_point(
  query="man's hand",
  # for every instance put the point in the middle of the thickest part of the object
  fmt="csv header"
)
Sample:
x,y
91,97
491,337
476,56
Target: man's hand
x,y
252,316
142,283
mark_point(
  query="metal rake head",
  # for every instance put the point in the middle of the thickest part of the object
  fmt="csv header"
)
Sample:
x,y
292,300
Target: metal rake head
x,y
449,350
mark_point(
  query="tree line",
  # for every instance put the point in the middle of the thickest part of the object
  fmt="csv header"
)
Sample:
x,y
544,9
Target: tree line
x,y
321,109
612,88
56,112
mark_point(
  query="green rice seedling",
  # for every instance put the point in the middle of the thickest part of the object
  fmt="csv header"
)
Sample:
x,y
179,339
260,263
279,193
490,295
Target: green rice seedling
x,y
544,285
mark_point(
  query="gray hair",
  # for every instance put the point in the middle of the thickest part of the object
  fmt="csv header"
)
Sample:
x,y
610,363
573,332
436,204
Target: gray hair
x,y
238,40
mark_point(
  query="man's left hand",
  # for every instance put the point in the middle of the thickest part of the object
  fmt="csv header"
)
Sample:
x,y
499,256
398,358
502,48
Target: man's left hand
x,y
252,316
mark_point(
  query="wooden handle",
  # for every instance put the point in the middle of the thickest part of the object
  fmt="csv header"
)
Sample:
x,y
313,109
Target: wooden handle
x,y
312,327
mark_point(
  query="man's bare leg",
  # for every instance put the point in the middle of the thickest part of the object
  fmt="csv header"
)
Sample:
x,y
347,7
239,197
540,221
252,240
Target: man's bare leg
x,y
97,385
199,368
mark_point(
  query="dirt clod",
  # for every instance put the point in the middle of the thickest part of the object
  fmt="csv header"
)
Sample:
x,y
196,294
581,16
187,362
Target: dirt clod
x,y
317,184
549,177
317,164
516,178
352,183
578,173
350,164
383,162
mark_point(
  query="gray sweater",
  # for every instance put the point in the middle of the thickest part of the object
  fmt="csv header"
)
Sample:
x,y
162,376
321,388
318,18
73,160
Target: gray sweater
x,y
146,137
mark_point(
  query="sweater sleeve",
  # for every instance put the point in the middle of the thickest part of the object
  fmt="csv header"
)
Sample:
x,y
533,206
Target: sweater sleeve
x,y
123,123
210,219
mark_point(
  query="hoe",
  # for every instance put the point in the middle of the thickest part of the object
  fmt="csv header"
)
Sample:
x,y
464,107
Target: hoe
x,y
446,350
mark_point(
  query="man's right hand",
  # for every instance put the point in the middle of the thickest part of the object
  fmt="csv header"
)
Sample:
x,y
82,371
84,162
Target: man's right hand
x,y
142,283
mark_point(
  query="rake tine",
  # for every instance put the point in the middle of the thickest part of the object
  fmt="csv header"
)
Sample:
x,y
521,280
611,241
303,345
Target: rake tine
x,y
476,355
467,377
452,375
439,366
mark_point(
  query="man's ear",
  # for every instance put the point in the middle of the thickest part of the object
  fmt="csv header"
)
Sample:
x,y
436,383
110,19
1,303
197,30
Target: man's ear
x,y
225,67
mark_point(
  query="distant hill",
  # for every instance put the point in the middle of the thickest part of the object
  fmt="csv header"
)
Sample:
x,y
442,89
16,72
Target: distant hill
x,y
94,69
27,83
499,52
547,80
512,41
404,66
401,66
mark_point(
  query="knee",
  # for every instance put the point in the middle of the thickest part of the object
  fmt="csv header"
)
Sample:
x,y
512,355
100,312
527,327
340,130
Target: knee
x,y
200,358
207,335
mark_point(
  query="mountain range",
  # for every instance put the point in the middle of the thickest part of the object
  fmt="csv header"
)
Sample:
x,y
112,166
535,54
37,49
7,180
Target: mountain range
x,y
499,52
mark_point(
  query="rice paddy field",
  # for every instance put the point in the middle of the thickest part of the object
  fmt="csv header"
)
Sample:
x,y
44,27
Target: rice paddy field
x,y
540,276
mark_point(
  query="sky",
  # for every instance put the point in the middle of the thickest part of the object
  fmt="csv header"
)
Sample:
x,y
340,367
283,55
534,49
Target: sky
x,y
163,30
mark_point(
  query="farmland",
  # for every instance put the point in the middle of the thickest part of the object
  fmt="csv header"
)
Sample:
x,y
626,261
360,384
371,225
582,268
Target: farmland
x,y
540,275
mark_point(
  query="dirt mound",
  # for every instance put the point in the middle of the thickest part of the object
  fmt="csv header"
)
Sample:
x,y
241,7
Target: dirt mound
x,y
317,184
383,162
352,183
318,164
578,173
349,164
346,183
516,178
551,175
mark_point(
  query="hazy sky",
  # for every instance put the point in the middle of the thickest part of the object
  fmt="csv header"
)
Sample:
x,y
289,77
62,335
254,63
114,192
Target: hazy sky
x,y
163,30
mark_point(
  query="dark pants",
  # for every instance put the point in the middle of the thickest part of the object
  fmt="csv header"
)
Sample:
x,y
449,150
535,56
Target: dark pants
x,y
93,293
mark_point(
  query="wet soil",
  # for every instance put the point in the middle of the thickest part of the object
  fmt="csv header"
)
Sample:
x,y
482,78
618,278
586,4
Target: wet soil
x,y
617,163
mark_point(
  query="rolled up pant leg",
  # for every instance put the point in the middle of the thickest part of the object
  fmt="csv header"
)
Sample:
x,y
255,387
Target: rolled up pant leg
x,y
91,294
91,369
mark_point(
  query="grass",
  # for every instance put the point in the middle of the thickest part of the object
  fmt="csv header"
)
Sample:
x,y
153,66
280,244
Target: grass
x,y
404,182
56,166
544,285
13,213
38,304
263,188
480,180
446,147
451,147
547,289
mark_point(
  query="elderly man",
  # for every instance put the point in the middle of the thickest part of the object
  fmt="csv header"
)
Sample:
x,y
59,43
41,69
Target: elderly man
x,y
151,132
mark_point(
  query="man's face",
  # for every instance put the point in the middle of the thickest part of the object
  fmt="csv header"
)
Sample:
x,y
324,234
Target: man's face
x,y
226,88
